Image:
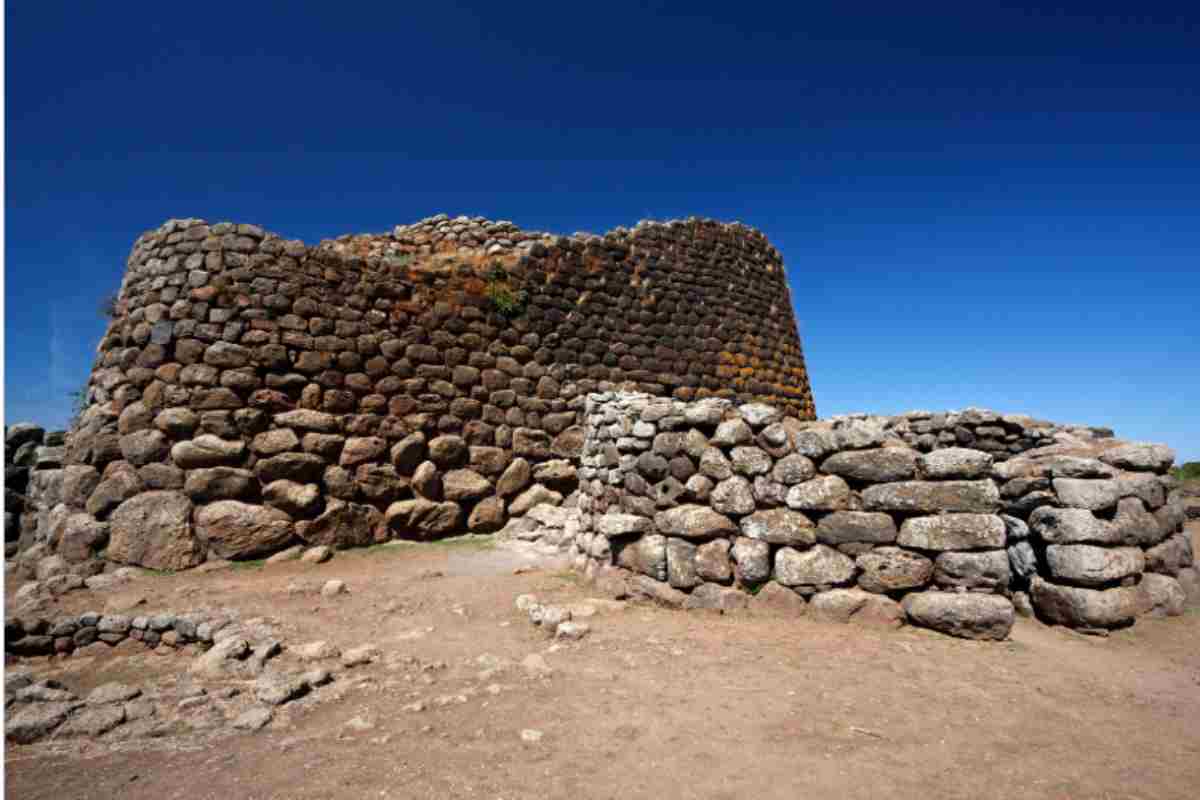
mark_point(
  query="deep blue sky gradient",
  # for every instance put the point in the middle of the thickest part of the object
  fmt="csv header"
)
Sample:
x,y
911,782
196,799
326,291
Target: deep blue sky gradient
x,y
977,206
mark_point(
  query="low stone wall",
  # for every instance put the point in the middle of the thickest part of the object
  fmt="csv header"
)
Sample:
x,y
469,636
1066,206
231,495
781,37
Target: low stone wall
x,y
706,504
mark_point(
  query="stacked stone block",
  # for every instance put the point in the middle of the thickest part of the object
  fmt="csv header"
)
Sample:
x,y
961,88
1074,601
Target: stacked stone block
x,y
716,502
33,483
251,391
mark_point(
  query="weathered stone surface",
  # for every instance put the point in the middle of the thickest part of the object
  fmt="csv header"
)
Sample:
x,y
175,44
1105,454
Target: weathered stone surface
x,y
1089,565
1135,525
842,527
780,526
79,481
35,721
220,483
714,597
933,496
732,432
1022,559
793,469
1160,596
957,463
819,565
750,461
1140,456
856,606
305,419
144,447
752,559
694,522
427,481
1093,495
827,493
343,525
407,453
533,496
953,532
777,599
877,465
681,564
889,569
1171,556
530,443
298,500
207,450
81,538
614,524
713,562
1084,608
154,530
118,485
298,467
362,449
515,478
1072,526
465,484
647,556
236,530
423,519
964,614
487,516
733,496
982,569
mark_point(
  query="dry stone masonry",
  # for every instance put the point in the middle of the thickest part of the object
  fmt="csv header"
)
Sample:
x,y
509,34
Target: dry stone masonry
x,y
952,521
637,400
252,393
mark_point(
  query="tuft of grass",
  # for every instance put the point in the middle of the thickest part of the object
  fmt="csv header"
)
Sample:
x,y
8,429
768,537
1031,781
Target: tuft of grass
x,y
507,298
252,564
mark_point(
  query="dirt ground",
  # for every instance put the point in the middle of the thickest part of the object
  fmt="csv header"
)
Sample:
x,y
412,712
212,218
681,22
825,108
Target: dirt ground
x,y
653,703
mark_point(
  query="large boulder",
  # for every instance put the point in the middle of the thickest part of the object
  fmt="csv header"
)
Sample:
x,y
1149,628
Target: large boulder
x,y
780,526
980,497
694,522
1161,596
1140,456
1171,556
843,527
1093,495
154,530
298,500
877,465
980,569
344,525
647,555
955,463
1089,565
889,569
419,518
239,530
826,493
856,606
958,531
220,483
207,450
819,565
964,614
1084,608
1072,526
465,484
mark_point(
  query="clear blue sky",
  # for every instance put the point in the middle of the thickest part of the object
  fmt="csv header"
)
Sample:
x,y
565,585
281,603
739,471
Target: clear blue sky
x,y
977,206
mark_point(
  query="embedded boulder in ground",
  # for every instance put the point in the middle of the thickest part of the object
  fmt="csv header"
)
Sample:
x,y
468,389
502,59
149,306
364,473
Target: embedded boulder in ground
x,y
419,518
1161,596
963,614
238,530
154,530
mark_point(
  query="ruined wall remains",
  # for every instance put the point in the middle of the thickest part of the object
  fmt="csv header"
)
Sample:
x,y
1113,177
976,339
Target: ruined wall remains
x,y
252,391
706,504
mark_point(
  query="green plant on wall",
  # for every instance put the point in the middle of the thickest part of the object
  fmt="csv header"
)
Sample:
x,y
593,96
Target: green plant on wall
x,y
504,294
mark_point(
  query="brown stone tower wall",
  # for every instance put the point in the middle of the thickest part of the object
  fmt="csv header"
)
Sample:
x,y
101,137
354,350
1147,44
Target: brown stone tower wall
x,y
312,385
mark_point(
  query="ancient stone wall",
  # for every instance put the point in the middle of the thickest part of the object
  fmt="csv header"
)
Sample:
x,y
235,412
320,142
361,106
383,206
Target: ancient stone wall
x,y
708,504
252,391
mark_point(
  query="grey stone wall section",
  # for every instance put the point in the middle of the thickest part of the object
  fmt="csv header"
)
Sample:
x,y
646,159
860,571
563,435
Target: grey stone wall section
x,y
951,521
